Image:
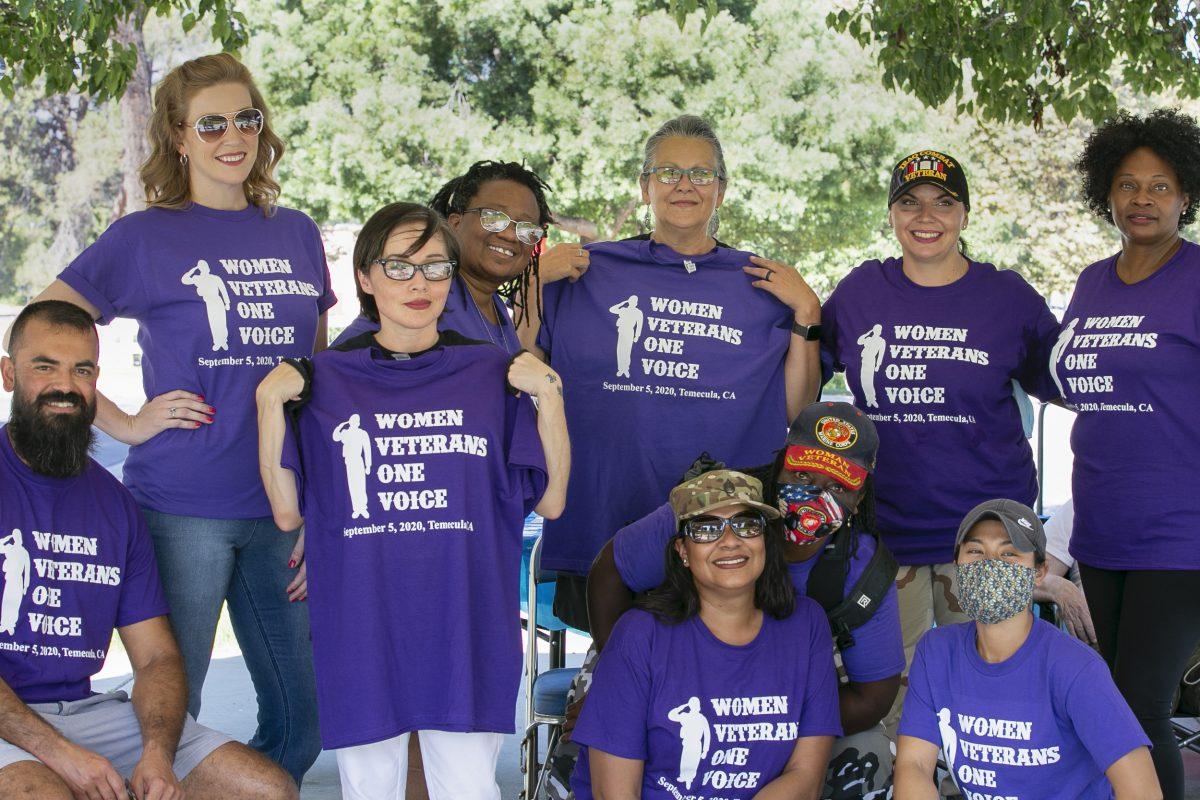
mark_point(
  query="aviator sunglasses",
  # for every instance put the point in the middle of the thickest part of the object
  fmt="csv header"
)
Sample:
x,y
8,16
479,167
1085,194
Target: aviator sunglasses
x,y
211,127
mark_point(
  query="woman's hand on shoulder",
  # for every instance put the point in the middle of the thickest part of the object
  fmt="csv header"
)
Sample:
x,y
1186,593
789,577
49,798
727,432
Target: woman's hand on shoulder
x,y
526,373
788,286
282,384
566,260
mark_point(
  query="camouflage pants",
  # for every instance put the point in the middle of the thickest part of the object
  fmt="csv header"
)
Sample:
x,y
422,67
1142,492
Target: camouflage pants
x,y
860,767
560,762
926,594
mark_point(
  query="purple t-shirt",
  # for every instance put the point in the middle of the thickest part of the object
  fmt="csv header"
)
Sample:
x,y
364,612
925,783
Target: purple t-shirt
x,y
639,550
75,562
1129,363
662,356
933,367
220,297
416,476
1049,716
709,719
460,314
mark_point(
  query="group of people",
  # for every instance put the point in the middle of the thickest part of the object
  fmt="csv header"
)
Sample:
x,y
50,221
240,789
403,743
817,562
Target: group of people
x,y
763,629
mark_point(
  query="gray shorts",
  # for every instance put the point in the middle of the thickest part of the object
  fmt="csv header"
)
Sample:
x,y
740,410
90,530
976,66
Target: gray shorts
x,y
106,725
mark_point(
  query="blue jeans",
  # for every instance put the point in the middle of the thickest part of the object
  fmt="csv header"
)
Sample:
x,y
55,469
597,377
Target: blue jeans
x,y
204,562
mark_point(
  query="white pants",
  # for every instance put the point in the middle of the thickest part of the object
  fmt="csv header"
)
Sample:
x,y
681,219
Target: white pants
x,y
458,766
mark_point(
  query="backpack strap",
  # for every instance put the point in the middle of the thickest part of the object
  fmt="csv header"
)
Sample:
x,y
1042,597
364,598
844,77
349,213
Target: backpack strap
x,y
827,581
866,595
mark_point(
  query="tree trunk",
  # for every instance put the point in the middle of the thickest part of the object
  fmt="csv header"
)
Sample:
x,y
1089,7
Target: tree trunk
x,y
626,212
135,117
69,240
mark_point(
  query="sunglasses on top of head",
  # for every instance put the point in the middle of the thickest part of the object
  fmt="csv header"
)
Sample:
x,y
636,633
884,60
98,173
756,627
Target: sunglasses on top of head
x,y
212,127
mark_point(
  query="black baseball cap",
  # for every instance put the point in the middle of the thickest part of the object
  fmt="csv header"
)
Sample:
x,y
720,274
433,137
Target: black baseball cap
x,y
932,167
835,439
1022,525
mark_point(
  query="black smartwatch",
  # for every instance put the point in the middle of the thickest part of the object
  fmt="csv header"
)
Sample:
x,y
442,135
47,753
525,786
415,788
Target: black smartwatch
x,y
809,333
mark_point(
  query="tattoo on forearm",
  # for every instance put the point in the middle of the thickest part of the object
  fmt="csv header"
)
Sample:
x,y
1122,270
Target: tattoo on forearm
x,y
554,380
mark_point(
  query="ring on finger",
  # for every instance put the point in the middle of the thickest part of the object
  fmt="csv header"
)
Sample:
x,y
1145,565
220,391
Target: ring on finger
x,y
171,411
770,272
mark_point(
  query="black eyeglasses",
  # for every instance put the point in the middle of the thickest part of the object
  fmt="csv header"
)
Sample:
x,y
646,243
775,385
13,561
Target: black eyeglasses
x,y
490,219
211,127
703,530
699,176
399,270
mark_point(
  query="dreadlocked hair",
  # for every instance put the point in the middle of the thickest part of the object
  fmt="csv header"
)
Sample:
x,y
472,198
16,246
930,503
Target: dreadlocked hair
x,y
455,198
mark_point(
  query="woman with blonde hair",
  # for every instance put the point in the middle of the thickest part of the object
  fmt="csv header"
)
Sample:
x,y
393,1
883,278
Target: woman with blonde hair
x,y
207,340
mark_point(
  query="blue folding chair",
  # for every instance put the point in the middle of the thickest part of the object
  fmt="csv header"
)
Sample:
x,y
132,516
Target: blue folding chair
x,y
545,692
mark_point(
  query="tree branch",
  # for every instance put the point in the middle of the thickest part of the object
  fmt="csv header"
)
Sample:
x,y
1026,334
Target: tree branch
x,y
624,215
585,229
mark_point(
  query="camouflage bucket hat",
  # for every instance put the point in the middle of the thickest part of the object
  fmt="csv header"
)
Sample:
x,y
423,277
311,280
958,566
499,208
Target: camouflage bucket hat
x,y
716,490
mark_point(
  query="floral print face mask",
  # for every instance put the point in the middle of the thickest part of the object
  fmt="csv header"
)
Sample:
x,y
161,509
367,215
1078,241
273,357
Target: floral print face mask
x,y
992,590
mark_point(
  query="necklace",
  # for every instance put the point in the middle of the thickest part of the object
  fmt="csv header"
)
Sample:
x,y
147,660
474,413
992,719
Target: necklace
x,y
487,329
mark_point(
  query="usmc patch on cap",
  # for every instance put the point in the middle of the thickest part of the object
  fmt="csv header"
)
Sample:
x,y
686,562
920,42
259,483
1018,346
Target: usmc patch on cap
x,y
835,432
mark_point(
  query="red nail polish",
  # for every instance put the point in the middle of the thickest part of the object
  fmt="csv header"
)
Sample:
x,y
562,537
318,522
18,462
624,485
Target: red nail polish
x,y
200,396
292,563
195,424
210,419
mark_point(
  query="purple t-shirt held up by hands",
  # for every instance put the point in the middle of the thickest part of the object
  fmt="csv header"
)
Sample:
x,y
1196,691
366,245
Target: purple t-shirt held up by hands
x,y
415,477
220,297
662,356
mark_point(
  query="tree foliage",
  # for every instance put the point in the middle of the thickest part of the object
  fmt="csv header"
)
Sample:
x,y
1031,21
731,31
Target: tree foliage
x,y
382,100
70,45
574,88
1013,60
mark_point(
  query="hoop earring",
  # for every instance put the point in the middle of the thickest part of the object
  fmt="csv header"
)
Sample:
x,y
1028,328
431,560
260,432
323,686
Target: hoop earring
x,y
183,160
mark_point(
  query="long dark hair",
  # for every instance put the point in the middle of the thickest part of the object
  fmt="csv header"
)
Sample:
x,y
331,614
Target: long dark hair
x,y
676,599
454,197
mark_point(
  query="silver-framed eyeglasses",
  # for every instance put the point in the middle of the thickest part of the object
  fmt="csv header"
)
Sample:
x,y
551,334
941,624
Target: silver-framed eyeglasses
x,y
699,176
399,270
211,127
495,221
